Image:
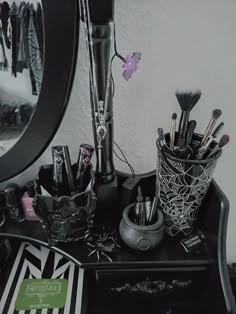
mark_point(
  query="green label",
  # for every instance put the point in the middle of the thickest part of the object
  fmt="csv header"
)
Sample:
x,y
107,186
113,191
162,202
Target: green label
x,y
41,294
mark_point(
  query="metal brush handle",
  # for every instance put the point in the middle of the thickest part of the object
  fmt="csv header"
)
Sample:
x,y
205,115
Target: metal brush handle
x,y
172,133
208,131
217,130
214,150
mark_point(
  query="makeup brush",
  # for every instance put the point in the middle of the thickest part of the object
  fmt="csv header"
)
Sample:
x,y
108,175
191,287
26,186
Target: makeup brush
x,y
161,137
153,209
215,115
203,149
222,142
187,100
191,128
214,135
217,130
139,207
173,130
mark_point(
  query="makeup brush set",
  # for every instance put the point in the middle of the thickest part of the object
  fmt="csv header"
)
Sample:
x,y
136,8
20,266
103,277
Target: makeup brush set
x,y
184,143
186,163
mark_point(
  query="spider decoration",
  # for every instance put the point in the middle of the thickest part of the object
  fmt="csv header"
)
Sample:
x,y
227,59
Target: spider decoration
x,y
102,245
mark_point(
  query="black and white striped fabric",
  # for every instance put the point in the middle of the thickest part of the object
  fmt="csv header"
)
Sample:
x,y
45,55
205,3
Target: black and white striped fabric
x,y
38,262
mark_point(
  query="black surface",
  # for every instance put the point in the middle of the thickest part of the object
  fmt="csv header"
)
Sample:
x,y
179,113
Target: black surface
x,y
61,29
169,254
167,259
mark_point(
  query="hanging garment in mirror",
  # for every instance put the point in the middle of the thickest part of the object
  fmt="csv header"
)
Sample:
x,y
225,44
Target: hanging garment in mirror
x,y
21,67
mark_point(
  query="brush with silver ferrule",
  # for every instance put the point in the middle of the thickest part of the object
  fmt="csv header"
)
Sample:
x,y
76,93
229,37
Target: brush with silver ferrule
x,y
173,130
222,142
214,135
203,149
215,115
147,205
161,137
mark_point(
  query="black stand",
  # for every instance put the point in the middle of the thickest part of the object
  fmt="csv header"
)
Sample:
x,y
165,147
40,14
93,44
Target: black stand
x,y
105,171
107,186
101,14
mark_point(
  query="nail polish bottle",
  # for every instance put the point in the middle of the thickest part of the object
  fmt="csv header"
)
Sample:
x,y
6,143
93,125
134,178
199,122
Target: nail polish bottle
x,y
27,200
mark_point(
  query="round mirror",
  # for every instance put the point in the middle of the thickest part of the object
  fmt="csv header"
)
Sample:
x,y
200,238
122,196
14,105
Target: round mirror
x,y
38,50
21,67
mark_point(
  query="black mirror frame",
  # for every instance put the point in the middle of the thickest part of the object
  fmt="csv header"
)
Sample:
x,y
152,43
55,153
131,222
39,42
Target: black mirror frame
x,y
61,38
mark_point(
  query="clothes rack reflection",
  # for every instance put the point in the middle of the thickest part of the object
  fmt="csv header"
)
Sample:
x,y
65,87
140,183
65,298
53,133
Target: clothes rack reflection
x,y
21,39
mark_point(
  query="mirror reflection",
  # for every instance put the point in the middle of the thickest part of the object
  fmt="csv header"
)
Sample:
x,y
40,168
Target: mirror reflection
x,y
21,67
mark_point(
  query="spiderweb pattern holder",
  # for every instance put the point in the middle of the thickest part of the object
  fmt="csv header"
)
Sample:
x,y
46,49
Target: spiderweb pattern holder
x,y
181,186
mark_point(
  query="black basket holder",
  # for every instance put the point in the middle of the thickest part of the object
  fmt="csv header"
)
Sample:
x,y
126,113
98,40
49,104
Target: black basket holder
x,y
65,218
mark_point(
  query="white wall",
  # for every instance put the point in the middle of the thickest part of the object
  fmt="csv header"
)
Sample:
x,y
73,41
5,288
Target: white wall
x,y
185,43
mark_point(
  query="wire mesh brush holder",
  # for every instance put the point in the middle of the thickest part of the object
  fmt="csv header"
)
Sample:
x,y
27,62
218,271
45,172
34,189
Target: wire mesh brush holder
x,y
65,218
181,186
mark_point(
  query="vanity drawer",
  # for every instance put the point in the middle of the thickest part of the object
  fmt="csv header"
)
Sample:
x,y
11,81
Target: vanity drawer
x,y
152,281
148,291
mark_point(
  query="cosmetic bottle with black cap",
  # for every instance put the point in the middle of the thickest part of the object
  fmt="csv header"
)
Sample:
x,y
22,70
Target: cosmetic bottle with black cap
x,y
14,210
60,181
83,166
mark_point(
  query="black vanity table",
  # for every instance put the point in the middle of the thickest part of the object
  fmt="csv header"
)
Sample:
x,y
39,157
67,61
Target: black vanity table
x,y
162,280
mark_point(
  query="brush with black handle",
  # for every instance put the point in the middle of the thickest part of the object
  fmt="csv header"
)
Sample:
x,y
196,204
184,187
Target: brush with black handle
x,y
187,100
191,128
173,130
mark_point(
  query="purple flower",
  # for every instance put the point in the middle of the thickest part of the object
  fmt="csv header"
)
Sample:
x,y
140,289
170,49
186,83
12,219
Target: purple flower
x,y
130,65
